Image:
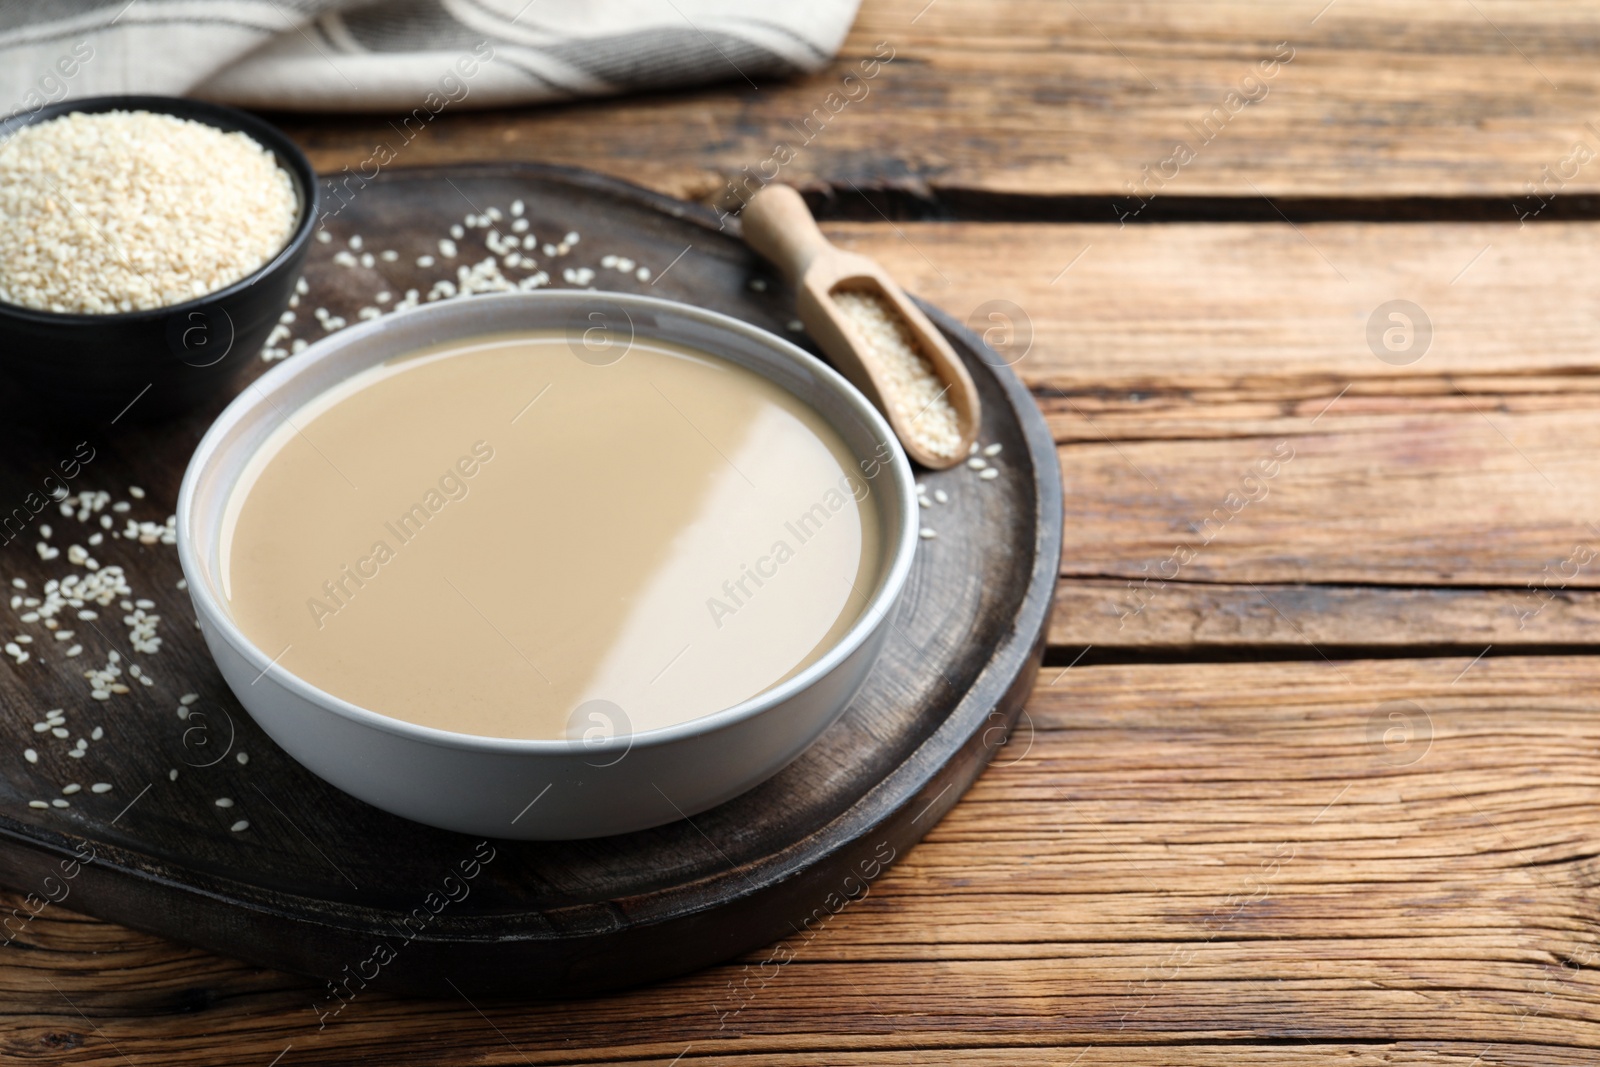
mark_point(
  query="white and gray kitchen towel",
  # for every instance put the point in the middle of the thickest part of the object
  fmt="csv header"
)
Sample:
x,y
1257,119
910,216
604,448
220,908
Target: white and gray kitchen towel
x,y
384,55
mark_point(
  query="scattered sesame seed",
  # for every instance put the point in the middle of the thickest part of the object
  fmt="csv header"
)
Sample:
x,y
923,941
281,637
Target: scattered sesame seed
x,y
37,804
927,534
172,775
992,450
941,496
977,463
68,790
59,803
100,787
224,802
989,475
240,826
242,757
324,236
30,755
188,698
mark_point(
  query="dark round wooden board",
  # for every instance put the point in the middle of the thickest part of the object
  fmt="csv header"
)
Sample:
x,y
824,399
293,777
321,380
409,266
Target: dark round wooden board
x,y
322,884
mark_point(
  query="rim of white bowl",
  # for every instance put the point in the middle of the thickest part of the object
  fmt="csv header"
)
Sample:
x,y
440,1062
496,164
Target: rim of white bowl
x,y
249,402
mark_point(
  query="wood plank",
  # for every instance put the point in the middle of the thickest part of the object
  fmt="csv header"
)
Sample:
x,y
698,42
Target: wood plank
x,y
1040,99
1189,330
1202,617
1199,863
1472,499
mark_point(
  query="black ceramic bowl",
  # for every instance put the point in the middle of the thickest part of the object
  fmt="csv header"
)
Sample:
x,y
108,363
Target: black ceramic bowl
x,y
141,364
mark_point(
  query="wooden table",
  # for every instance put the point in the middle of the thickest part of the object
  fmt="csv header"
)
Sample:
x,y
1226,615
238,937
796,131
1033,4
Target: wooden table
x,y
1313,770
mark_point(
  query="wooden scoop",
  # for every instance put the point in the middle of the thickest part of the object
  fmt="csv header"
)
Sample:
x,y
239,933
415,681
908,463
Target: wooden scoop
x,y
779,226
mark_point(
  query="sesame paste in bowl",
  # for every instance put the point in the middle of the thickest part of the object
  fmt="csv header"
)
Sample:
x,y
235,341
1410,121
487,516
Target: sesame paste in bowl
x,y
499,537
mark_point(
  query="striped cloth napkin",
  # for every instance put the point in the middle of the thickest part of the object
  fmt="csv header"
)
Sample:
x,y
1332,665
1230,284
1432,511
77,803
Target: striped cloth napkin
x,y
362,55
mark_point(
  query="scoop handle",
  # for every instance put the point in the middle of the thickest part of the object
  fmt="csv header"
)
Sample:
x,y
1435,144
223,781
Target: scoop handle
x,y
779,226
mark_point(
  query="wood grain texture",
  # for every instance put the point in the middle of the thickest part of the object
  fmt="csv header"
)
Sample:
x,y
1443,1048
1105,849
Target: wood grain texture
x,y
1040,99
1468,500
1217,617
1189,863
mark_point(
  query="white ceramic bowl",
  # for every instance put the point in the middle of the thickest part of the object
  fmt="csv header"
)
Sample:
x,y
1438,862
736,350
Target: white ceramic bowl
x,y
529,789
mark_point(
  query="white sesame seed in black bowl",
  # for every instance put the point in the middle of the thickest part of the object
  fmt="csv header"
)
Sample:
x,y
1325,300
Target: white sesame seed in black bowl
x,y
147,247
